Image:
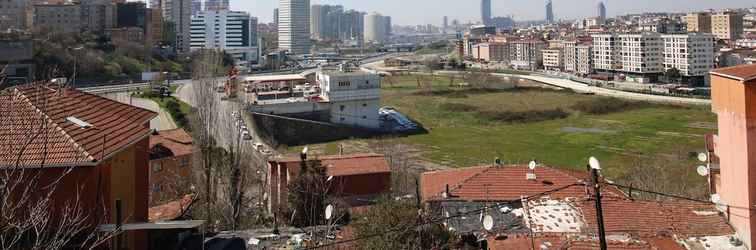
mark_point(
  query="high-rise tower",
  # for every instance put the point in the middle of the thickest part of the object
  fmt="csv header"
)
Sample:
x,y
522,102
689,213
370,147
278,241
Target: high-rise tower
x,y
601,11
294,26
485,8
549,12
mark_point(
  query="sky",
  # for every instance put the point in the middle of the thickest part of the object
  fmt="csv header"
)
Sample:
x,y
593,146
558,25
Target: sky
x,y
410,12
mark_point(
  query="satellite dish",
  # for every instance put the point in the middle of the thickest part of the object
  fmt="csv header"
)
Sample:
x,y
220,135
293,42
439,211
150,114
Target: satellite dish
x,y
703,157
488,222
532,165
702,171
715,198
594,163
305,149
329,212
447,214
330,178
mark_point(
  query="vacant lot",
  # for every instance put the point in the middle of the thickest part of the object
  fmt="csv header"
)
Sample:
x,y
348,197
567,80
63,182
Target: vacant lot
x,y
626,137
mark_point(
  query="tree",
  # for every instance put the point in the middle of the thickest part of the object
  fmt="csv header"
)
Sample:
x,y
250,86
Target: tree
x,y
308,194
672,73
397,222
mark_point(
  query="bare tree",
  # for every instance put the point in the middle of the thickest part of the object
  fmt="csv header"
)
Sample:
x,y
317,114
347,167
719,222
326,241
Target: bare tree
x,y
207,66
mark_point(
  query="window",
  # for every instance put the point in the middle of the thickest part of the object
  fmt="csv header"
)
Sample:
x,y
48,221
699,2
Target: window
x,y
364,104
342,108
157,167
183,162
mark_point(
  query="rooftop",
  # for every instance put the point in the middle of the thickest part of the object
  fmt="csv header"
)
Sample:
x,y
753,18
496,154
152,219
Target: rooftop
x,y
40,130
745,73
171,210
176,140
344,165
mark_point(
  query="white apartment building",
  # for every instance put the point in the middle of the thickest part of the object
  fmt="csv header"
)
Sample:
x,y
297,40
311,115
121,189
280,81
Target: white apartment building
x,y
570,60
584,59
553,59
526,54
606,55
641,53
231,31
355,97
294,26
692,54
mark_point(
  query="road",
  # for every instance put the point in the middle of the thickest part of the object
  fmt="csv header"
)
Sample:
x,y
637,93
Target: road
x,y
163,121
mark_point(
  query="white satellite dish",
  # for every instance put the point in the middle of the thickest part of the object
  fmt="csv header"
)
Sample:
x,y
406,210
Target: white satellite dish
x,y
447,214
532,165
330,178
329,212
703,157
488,222
594,163
305,149
702,171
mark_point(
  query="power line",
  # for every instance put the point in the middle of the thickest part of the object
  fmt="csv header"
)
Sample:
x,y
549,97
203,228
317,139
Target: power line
x,y
433,221
678,196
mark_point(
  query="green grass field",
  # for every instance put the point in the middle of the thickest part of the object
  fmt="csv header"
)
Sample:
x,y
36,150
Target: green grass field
x,y
650,134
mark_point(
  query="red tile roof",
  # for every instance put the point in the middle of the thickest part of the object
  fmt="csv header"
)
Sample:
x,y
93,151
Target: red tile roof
x,y
344,165
171,210
499,183
565,242
650,218
42,111
742,72
177,140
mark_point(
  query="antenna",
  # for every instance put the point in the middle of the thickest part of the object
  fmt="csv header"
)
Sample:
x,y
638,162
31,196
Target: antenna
x,y
703,157
488,222
594,163
329,212
702,170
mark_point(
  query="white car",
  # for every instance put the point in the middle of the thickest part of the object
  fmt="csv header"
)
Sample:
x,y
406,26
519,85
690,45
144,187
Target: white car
x,y
257,146
246,136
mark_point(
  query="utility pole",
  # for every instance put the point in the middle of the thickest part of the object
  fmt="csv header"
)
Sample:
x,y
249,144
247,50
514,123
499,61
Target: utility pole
x,y
599,211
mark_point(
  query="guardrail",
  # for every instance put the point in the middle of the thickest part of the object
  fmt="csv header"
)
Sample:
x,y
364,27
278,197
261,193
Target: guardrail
x,y
115,88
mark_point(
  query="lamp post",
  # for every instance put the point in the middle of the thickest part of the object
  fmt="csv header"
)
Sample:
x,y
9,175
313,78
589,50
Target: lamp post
x,y
76,63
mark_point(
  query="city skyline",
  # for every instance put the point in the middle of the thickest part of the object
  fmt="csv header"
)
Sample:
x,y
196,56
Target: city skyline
x,y
404,12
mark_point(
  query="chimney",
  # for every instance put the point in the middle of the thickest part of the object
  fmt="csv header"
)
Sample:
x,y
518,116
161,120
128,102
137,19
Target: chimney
x,y
734,101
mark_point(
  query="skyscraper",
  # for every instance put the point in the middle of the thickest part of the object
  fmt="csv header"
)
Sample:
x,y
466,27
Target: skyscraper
x,y
234,32
377,27
294,26
601,9
325,21
275,16
446,23
549,12
485,8
177,15
196,6
217,5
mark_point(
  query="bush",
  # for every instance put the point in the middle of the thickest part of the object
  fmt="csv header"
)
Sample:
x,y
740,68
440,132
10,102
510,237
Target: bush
x,y
458,107
604,106
524,116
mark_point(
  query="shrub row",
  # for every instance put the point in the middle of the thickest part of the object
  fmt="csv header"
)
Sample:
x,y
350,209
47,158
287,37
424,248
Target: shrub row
x,y
602,106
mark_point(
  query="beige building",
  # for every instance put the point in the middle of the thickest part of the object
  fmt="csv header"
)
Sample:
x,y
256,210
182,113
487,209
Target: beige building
x,y
727,25
12,14
692,54
698,22
491,52
584,59
526,54
61,18
98,15
553,59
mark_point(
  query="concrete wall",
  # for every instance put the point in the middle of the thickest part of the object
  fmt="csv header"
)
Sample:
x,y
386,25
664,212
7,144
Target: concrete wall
x,y
734,102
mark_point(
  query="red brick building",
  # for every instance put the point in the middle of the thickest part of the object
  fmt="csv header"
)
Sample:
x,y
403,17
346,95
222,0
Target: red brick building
x,y
359,175
170,165
104,144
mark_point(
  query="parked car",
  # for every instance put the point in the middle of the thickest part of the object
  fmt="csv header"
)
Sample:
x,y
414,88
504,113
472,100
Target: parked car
x,y
257,146
246,136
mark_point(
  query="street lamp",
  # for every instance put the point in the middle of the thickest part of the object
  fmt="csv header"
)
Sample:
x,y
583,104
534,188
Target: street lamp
x,y
76,63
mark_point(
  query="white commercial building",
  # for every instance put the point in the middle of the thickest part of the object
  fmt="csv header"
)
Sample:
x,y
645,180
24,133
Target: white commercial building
x,y
355,97
553,59
231,31
294,26
692,54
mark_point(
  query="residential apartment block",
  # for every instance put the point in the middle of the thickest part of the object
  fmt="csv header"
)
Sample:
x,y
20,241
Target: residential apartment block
x,y
606,55
641,53
13,14
526,54
692,54
698,22
727,25
584,59
63,18
553,59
